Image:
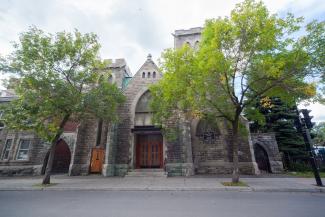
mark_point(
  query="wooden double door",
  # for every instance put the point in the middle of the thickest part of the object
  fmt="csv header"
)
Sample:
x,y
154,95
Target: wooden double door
x,y
149,151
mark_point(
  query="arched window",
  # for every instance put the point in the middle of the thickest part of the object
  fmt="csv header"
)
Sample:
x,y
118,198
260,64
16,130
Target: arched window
x,y
154,74
207,132
148,75
143,112
188,44
143,74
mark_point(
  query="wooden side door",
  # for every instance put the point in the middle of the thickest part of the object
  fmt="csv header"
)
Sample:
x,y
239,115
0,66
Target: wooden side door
x,y
97,160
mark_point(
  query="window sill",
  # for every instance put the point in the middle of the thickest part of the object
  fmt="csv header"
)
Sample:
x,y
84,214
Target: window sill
x,y
14,161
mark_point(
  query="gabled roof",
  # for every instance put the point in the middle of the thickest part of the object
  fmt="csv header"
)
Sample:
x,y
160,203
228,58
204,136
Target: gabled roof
x,y
149,63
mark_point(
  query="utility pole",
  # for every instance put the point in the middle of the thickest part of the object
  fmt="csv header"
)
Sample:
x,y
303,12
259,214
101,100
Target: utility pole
x,y
305,125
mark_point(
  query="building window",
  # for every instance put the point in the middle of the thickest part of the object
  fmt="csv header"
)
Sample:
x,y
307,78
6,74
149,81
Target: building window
x,y
143,112
148,74
207,132
143,74
22,153
154,74
6,151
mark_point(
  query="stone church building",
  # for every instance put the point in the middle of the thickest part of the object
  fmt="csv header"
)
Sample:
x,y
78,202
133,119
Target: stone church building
x,y
134,146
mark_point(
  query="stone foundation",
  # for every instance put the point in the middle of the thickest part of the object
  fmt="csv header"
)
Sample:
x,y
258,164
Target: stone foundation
x,y
32,170
78,169
276,166
249,168
179,169
115,169
108,170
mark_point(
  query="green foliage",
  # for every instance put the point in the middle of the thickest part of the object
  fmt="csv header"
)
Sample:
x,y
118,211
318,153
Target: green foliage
x,y
171,134
280,117
241,57
319,134
236,184
299,167
179,67
315,43
60,76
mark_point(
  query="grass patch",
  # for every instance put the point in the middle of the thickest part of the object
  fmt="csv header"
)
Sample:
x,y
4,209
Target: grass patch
x,y
238,184
307,174
44,186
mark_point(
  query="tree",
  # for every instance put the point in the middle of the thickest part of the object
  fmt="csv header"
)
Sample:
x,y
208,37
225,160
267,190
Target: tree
x,y
315,43
248,55
279,117
61,78
319,134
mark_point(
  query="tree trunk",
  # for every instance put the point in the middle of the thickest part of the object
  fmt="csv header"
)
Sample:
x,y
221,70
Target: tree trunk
x,y
47,175
235,173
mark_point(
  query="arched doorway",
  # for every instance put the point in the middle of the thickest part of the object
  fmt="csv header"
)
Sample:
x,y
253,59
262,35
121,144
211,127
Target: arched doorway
x,y
62,158
148,138
262,159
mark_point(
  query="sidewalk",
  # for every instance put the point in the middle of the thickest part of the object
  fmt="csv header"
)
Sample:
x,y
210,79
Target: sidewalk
x,y
99,183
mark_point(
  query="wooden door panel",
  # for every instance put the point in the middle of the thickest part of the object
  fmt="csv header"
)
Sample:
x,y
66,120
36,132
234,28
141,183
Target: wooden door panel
x,y
97,160
149,151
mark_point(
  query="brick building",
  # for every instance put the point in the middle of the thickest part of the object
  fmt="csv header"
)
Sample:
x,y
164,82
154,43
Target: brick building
x,y
135,145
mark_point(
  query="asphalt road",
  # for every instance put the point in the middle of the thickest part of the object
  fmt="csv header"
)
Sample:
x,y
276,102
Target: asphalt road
x,y
156,204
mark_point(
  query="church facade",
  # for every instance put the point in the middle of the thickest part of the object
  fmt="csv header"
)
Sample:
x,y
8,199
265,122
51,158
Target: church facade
x,y
134,145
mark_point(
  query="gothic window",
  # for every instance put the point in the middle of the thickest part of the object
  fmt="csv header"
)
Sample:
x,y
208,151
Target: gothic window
x,y
143,74
24,145
154,74
148,74
207,132
143,112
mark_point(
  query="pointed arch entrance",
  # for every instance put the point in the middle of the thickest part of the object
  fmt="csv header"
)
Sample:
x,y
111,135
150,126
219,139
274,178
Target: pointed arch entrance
x,y
147,138
62,158
262,158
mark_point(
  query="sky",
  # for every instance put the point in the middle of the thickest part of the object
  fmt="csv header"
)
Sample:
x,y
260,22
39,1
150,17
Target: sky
x,y
132,29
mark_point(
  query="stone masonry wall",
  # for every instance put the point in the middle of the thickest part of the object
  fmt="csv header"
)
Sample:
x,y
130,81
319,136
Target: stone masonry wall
x,y
269,144
216,157
86,139
14,167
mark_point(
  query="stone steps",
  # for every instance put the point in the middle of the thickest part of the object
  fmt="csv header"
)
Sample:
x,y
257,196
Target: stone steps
x,y
146,173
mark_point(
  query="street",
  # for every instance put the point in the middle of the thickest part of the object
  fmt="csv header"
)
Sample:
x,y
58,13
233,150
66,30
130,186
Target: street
x,y
160,203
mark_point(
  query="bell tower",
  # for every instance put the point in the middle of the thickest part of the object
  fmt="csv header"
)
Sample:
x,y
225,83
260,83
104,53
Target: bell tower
x,y
191,37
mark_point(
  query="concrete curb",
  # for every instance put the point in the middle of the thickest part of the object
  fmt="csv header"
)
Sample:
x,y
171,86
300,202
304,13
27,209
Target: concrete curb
x,y
230,189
